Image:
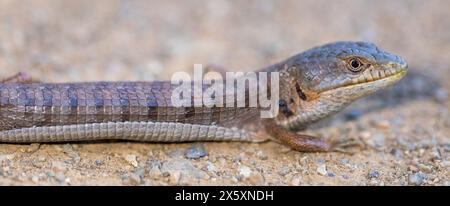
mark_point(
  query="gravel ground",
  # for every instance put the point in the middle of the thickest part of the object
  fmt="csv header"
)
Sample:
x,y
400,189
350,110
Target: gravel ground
x,y
402,134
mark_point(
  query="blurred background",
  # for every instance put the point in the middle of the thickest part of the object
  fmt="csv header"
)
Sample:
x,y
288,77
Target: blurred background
x,y
144,40
406,129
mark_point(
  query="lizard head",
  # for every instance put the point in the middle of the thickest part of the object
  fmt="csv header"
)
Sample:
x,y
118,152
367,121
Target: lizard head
x,y
325,79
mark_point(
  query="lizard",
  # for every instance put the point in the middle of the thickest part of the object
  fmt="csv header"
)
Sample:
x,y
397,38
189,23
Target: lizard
x,y
314,85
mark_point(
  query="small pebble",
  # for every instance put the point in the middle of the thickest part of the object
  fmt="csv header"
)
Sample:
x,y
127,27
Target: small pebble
x,y
406,144
398,121
71,151
245,171
417,178
222,161
237,159
377,140
234,180
154,172
353,114
175,177
322,169
382,124
261,155
99,162
152,163
187,169
413,168
50,174
35,179
373,173
436,180
195,152
447,146
58,166
256,178
425,168
365,134
140,172
435,154
296,180
421,152
136,178
373,182
320,160
165,174
6,157
345,161
210,167
175,153
132,160
129,179
284,170
440,95
60,177
213,159
396,153
33,147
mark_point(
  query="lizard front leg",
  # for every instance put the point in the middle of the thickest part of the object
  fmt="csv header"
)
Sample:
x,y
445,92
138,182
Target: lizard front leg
x,y
299,142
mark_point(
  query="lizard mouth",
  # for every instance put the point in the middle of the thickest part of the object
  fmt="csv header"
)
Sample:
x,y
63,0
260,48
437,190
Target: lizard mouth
x,y
377,78
373,77
352,91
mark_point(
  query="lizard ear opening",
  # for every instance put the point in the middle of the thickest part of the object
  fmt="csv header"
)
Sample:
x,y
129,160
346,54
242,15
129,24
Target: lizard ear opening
x,y
284,108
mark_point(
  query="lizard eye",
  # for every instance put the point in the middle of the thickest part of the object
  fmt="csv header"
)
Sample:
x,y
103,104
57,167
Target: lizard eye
x,y
355,65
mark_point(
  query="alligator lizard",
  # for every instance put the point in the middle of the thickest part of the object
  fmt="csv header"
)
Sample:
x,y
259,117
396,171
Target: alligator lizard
x,y
313,85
